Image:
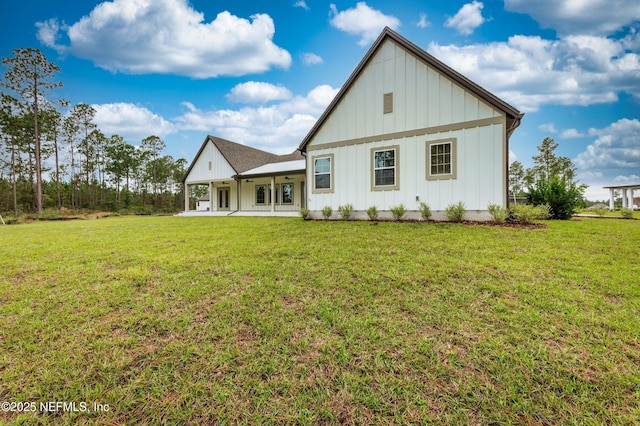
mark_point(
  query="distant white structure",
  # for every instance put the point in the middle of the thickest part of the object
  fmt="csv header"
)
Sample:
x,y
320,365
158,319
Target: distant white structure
x,y
627,195
202,204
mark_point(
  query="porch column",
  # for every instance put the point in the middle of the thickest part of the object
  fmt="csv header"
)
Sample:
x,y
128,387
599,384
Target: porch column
x,y
211,196
186,197
238,192
273,194
625,198
631,198
611,199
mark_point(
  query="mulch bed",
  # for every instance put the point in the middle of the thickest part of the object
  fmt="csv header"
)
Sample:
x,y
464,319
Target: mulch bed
x,y
505,224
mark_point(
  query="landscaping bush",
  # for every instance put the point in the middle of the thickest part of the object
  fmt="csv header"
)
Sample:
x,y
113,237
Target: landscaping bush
x,y
425,210
304,213
455,212
600,211
345,211
526,213
498,213
326,212
564,197
626,213
398,212
143,210
372,212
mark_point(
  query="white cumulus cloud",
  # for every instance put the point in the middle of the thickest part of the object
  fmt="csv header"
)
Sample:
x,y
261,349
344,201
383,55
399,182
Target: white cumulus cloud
x,y
571,134
529,71
596,17
362,21
275,128
132,122
626,180
423,22
613,158
468,18
168,37
311,59
258,92
616,147
548,127
48,32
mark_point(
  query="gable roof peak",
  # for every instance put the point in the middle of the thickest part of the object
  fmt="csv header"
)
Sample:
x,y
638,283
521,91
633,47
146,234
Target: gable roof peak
x,y
513,115
241,157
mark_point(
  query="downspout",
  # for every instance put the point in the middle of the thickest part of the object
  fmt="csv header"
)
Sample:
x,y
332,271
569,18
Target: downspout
x,y
237,179
306,180
515,123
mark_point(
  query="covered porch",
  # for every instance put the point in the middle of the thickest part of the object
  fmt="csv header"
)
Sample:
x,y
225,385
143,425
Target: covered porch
x,y
273,189
627,195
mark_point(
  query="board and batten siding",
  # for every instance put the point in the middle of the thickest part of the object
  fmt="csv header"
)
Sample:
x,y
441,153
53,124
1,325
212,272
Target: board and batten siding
x,y
422,98
248,193
479,179
427,106
220,168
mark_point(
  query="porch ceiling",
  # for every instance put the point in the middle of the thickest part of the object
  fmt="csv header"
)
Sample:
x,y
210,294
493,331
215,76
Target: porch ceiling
x,y
281,168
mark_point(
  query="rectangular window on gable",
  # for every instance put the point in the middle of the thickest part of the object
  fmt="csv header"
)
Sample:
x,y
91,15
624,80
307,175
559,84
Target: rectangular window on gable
x,y
441,159
323,173
385,168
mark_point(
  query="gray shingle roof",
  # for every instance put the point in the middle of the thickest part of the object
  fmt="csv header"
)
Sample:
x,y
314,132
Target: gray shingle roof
x,y
241,157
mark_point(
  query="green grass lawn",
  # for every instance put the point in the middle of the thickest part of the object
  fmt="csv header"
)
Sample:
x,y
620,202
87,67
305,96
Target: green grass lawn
x,y
170,320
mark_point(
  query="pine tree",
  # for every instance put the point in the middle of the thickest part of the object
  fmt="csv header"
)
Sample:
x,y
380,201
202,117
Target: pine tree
x,y
516,179
31,76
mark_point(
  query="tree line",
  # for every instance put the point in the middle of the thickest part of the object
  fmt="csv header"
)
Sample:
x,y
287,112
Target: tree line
x,y
53,155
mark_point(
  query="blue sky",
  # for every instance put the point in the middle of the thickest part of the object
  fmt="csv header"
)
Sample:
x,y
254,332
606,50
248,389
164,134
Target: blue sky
x,y
260,73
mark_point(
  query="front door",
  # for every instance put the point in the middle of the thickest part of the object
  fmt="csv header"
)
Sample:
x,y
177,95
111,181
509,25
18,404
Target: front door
x,y
223,198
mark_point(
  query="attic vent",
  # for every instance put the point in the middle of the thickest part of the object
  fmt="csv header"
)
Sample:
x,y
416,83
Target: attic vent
x,y
388,103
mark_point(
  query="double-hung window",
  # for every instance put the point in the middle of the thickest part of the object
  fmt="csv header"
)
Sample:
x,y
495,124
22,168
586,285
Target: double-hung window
x,y
441,159
322,173
385,168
